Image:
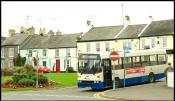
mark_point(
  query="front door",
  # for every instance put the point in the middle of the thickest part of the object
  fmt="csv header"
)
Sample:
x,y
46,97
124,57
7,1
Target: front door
x,y
107,72
58,65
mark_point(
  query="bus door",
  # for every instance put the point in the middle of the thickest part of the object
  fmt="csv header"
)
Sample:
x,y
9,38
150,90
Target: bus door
x,y
107,72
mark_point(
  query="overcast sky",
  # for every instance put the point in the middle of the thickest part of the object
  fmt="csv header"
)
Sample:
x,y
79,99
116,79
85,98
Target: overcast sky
x,y
71,16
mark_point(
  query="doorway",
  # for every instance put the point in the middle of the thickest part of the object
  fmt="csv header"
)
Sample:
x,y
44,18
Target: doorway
x,y
57,65
107,72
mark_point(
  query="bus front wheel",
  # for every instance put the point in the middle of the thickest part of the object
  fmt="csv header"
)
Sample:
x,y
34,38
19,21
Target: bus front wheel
x,y
117,83
151,78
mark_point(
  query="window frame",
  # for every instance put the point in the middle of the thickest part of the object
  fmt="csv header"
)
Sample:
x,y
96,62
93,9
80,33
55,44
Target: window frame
x,y
57,52
44,52
107,46
88,49
98,47
164,42
10,55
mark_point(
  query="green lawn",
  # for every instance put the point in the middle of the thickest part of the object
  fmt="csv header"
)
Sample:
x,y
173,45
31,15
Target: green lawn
x,y
66,79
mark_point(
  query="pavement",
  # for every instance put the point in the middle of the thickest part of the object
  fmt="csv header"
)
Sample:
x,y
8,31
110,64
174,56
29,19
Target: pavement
x,y
149,91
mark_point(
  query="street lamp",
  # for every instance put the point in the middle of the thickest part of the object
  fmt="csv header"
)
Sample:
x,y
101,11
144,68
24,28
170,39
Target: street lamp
x,y
36,60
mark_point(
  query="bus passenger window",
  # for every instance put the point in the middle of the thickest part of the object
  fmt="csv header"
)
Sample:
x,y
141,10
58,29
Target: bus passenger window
x,y
162,59
119,63
145,60
136,61
153,59
128,63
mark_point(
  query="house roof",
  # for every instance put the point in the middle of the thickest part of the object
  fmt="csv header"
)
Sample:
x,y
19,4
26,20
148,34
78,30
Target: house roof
x,y
17,39
101,33
53,41
162,27
2,39
131,31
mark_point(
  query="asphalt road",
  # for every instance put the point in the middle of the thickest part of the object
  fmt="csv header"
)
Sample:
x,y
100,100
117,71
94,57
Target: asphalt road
x,y
72,93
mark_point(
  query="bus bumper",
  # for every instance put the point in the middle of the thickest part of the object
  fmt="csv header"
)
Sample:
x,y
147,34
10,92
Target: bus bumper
x,y
99,85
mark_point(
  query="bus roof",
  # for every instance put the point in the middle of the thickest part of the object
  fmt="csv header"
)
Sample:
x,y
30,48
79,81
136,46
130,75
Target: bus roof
x,y
132,53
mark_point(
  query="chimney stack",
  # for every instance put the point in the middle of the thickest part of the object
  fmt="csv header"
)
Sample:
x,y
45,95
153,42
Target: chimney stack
x,y
23,30
42,31
58,33
51,33
150,19
31,30
11,32
126,21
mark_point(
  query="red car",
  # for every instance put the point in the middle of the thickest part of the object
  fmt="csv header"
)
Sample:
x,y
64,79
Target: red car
x,y
42,69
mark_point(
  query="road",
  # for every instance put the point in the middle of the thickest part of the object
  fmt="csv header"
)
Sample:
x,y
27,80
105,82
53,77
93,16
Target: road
x,y
72,93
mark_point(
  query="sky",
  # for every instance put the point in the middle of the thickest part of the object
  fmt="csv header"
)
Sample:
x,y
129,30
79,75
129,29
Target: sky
x,y
71,16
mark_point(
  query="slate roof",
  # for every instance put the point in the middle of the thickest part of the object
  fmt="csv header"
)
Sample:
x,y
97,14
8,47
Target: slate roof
x,y
54,41
162,27
17,39
131,31
101,33
2,39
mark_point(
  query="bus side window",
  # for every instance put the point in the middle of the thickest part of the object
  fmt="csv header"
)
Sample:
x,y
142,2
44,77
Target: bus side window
x,y
136,61
162,59
119,63
145,60
153,60
127,62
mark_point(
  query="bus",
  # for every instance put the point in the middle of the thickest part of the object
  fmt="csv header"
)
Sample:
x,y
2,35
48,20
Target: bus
x,y
140,66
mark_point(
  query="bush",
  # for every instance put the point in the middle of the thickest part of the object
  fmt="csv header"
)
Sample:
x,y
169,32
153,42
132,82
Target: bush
x,y
16,77
41,79
26,82
9,81
19,61
19,70
70,69
7,71
29,68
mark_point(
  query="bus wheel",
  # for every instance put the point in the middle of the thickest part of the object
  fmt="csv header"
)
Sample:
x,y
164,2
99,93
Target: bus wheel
x,y
151,78
117,83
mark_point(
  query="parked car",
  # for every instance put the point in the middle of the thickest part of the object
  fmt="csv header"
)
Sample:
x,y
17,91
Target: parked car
x,y
42,69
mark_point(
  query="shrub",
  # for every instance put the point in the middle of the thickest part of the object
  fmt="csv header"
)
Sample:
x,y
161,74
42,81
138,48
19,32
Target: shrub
x,y
19,61
70,69
26,82
41,79
16,77
29,68
7,71
19,70
9,81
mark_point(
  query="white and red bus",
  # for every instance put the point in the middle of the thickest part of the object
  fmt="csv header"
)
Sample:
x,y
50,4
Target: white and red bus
x,y
98,72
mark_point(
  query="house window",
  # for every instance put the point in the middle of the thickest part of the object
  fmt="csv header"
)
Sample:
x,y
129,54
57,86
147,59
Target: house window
x,y
2,63
2,52
67,63
67,51
44,63
143,43
127,44
107,46
164,42
30,53
153,42
11,52
44,52
57,52
11,63
88,47
97,47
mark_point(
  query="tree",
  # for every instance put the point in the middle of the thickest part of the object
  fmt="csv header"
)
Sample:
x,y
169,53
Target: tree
x,y
19,61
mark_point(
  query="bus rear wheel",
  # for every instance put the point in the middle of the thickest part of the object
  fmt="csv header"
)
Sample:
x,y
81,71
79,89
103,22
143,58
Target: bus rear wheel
x,y
117,83
151,78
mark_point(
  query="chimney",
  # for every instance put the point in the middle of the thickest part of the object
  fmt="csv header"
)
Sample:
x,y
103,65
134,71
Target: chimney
x,y
42,31
88,26
126,21
23,30
11,32
31,30
50,33
58,33
150,19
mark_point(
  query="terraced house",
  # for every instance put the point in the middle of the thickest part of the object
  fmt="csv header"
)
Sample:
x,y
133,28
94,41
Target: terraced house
x,y
56,52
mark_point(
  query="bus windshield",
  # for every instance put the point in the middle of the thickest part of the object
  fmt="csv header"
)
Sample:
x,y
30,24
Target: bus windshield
x,y
89,64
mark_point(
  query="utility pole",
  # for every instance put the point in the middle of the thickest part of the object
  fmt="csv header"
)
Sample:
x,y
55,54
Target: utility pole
x,y
27,20
122,14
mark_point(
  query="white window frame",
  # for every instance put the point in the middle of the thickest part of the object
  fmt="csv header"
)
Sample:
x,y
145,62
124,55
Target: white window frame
x,y
67,63
88,47
11,64
97,47
143,43
2,52
127,44
44,52
164,42
57,52
45,62
12,52
30,53
153,42
107,46
67,51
